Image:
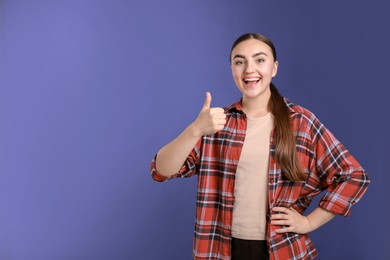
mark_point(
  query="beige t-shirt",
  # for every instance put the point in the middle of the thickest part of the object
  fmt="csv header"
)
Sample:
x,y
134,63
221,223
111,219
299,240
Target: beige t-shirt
x,y
250,208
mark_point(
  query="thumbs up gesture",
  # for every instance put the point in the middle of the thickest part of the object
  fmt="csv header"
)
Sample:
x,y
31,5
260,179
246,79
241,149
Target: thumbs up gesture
x,y
210,119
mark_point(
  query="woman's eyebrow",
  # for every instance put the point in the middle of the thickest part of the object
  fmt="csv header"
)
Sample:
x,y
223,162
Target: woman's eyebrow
x,y
258,54
238,56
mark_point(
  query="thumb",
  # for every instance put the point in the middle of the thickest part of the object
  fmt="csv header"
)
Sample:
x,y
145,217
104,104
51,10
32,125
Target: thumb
x,y
207,101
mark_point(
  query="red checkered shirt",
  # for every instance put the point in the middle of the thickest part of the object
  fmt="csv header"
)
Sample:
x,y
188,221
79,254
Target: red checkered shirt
x,y
328,165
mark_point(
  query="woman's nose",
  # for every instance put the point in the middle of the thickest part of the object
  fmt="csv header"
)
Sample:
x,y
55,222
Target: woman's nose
x,y
249,68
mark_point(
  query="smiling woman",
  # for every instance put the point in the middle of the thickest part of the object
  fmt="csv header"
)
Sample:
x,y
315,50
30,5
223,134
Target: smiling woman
x,y
260,161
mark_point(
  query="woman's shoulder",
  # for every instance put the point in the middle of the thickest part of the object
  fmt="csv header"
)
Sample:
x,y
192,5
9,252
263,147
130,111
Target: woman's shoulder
x,y
301,113
298,109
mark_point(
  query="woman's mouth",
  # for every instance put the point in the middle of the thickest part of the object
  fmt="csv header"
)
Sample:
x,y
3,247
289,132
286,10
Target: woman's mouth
x,y
250,82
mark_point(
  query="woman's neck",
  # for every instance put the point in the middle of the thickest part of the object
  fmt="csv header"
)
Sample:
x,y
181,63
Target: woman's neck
x,y
256,107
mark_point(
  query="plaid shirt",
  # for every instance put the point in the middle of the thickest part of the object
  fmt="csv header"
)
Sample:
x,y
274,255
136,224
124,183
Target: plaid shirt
x,y
328,165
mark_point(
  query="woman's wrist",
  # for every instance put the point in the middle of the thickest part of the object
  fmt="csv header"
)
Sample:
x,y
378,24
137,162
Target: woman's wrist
x,y
318,217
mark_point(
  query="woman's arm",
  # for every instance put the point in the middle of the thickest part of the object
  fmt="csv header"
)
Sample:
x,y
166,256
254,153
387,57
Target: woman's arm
x,y
171,157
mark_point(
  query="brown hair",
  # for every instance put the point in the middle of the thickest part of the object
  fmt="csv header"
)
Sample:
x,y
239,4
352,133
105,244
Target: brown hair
x,y
285,147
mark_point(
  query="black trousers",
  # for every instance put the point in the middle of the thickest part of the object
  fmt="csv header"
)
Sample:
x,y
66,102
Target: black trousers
x,y
249,249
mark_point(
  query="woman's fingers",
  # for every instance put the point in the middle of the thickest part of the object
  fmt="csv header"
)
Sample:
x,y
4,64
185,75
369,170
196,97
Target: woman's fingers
x,y
280,209
284,230
290,220
210,119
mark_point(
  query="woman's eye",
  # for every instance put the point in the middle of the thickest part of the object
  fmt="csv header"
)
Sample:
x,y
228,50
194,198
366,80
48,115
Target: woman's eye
x,y
260,60
238,62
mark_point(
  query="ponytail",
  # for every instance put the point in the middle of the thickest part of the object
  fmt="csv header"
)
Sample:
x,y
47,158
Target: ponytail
x,y
285,147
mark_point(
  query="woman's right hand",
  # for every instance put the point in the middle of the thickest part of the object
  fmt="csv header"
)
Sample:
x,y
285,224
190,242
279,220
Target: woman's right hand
x,y
210,119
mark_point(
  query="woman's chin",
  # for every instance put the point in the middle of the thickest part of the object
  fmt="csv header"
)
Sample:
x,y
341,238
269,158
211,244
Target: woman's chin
x,y
255,93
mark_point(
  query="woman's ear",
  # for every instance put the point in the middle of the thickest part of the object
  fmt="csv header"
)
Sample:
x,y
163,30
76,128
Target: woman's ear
x,y
275,69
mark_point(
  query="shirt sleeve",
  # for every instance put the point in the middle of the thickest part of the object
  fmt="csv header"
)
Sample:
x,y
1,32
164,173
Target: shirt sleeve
x,y
343,178
188,169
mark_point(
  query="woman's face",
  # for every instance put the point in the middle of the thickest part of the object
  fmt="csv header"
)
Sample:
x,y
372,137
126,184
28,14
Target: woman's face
x,y
253,67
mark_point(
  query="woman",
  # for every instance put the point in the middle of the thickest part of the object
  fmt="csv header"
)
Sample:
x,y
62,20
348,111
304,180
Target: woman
x,y
260,162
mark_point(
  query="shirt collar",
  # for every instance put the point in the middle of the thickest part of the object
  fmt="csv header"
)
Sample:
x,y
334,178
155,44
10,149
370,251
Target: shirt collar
x,y
237,106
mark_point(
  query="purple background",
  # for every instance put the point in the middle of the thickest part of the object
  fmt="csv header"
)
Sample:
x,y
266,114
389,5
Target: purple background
x,y
90,90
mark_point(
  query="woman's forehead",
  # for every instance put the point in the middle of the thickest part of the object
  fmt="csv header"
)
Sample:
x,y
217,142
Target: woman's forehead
x,y
250,47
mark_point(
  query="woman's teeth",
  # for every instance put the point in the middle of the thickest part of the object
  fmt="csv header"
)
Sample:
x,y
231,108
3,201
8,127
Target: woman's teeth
x,y
251,79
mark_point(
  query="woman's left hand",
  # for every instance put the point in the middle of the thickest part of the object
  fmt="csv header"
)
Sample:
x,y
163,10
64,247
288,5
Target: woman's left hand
x,y
291,219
